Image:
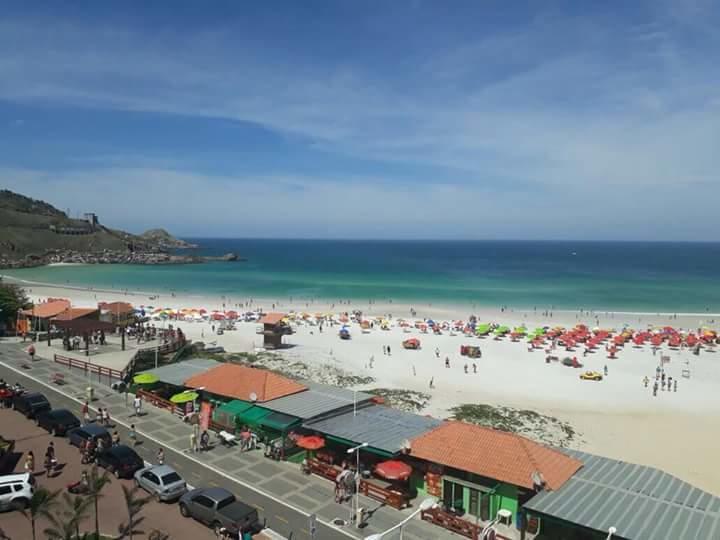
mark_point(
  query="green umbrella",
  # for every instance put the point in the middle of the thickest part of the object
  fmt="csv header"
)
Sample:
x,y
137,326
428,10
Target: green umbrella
x,y
482,329
520,330
502,330
145,378
184,397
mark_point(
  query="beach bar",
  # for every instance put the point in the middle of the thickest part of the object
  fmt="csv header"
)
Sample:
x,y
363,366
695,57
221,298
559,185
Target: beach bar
x,y
274,327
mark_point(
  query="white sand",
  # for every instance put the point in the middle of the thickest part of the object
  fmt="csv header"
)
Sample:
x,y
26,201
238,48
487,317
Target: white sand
x,y
618,417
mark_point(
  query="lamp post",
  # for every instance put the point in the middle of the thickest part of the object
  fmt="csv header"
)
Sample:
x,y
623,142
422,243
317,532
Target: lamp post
x,y
356,449
611,532
427,504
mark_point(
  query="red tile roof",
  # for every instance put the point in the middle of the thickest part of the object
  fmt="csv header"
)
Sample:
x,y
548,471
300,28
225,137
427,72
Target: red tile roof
x,y
120,308
239,382
74,313
46,310
272,318
494,454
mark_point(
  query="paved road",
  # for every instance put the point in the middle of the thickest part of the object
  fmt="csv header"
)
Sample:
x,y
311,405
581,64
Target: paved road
x,y
279,516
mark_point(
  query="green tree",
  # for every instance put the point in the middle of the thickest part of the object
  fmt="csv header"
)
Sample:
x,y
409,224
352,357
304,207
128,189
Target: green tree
x,y
96,484
67,525
12,299
41,504
134,505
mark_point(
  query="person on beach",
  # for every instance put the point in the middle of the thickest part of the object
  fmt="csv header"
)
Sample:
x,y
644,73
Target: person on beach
x,y
388,350
372,360
437,352
447,362
606,370
646,381
384,350
432,382
474,367
466,368
675,385
655,389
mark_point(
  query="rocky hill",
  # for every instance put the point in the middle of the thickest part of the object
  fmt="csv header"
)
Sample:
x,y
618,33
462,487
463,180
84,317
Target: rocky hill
x,y
31,231
161,237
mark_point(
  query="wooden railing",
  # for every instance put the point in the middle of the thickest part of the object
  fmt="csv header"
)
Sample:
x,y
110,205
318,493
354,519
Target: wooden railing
x,y
157,401
329,472
391,498
455,524
89,367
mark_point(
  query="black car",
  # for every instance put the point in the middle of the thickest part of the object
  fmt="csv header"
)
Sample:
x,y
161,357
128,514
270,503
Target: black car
x,y
79,435
58,421
30,403
120,460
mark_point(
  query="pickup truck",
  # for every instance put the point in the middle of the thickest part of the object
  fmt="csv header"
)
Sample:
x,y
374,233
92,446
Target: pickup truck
x,y
220,509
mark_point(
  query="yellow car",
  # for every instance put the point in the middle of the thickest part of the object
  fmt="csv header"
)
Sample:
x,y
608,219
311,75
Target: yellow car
x,y
591,376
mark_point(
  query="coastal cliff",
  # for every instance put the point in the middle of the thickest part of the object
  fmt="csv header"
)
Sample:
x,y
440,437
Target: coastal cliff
x,y
35,233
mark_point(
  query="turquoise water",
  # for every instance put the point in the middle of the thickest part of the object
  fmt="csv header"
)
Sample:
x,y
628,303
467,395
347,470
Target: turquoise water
x,y
619,276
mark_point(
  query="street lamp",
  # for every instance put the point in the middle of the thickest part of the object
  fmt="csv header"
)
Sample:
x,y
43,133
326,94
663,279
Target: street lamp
x,y
611,531
356,449
427,504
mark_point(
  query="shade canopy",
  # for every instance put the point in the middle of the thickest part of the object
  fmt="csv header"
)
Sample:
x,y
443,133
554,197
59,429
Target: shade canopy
x,y
145,378
393,470
310,442
184,397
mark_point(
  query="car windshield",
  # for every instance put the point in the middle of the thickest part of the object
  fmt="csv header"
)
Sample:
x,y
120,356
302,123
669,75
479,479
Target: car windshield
x,y
226,502
124,452
171,478
64,416
37,399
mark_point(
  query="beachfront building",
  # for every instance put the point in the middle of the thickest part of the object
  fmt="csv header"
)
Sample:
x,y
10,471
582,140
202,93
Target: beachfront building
x,y
38,317
481,474
274,327
118,313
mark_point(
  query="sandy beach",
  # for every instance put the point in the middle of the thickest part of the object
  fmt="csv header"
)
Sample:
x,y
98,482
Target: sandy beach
x,y
617,417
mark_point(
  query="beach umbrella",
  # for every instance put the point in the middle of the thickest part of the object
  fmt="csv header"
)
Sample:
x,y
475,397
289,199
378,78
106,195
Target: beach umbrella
x,y
231,314
184,397
393,470
310,442
145,378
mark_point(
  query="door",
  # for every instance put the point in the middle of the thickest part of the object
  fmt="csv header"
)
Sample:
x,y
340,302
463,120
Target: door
x,y
484,506
453,496
151,482
474,502
202,508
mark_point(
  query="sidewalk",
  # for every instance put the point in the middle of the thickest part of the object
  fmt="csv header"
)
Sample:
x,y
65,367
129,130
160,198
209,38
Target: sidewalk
x,y
282,480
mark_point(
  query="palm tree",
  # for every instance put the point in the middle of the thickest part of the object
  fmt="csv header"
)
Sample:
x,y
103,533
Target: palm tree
x,y
68,526
96,484
155,535
134,505
41,503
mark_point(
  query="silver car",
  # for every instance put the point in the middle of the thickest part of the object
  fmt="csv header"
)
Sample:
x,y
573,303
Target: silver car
x,y
161,481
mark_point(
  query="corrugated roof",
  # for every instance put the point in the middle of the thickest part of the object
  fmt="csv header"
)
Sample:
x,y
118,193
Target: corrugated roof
x,y
379,426
272,318
242,382
642,503
494,454
179,372
46,310
319,399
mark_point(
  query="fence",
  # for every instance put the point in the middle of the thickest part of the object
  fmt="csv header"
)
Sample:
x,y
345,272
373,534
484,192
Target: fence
x,y
90,368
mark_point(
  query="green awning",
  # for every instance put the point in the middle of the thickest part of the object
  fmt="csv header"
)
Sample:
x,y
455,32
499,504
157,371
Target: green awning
x,y
370,449
279,422
252,416
236,406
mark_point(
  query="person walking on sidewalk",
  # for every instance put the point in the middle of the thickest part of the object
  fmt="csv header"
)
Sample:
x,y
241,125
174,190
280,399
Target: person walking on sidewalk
x,y
86,412
133,435
137,405
160,456
193,442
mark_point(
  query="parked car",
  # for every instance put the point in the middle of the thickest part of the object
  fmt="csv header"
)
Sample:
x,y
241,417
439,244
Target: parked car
x,y
161,481
57,421
120,460
79,435
30,403
6,454
219,508
16,490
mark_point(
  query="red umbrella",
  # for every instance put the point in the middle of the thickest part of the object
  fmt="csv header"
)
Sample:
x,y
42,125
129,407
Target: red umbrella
x,y
310,442
393,470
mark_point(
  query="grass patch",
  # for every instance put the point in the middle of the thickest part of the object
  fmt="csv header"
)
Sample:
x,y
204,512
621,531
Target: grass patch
x,y
406,400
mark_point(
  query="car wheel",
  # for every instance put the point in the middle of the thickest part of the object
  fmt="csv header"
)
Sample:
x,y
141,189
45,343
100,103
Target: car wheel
x,y
216,526
20,504
137,484
184,510
37,422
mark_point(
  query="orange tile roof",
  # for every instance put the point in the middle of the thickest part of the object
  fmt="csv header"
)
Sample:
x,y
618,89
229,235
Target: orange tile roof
x,y
46,310
239,382
74,313
494,454
272,318
116,307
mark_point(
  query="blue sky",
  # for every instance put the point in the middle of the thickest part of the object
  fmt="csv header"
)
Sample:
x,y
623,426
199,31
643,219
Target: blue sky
x,y
583,120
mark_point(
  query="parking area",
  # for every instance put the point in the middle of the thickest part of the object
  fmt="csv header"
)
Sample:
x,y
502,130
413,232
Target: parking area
x,y
28,437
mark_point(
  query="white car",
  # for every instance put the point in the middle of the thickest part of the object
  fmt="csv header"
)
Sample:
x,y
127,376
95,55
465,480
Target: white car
x,y
16,490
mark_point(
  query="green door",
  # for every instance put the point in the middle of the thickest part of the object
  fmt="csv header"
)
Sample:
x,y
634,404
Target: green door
x,y
453,496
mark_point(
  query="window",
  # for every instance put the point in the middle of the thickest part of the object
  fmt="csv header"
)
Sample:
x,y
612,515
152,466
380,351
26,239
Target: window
x,y
153,478
171,478
203,501
4,490
18,487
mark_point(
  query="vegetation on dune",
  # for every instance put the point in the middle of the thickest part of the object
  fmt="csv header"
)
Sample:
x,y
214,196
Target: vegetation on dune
x,y
536,426
406,400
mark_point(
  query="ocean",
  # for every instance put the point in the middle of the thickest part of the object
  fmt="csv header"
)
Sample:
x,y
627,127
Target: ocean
x,y
603,276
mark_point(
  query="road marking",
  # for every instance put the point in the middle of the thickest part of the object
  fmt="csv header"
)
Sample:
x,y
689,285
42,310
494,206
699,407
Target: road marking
x,y
191,458
280,518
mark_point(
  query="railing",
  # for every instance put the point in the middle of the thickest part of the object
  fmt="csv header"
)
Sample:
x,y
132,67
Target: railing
x,y
89,367
391,498
157,401
323,469
455,524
